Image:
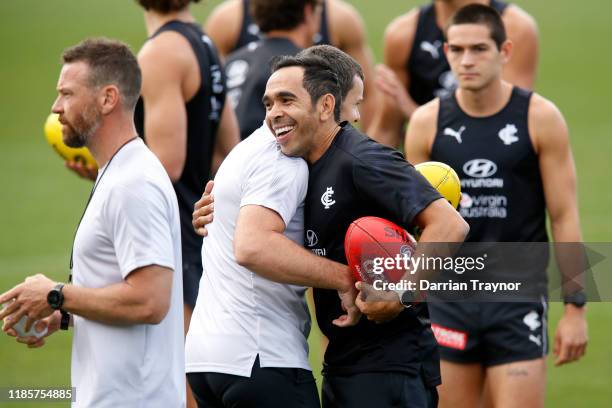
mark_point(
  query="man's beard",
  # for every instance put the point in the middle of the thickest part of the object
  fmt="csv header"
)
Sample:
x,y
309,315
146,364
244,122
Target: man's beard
x,y
82,128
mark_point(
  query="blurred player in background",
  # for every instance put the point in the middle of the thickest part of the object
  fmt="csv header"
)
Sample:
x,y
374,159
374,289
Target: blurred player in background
x,y
125,293
288,28
183,117
488,123
232,25
415,68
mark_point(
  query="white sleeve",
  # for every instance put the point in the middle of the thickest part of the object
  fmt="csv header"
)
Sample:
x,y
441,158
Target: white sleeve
x,y
279,184
138,218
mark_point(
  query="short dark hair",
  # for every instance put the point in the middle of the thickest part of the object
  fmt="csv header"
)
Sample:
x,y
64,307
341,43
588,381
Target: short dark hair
x,y
110,62
481,14
165,6
278,14
319,77
343,65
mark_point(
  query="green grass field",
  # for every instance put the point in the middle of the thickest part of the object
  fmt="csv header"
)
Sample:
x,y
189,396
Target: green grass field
x,y
41,201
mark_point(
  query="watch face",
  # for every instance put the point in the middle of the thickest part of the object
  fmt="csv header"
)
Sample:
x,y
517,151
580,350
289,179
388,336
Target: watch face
x,y
407,298
53,298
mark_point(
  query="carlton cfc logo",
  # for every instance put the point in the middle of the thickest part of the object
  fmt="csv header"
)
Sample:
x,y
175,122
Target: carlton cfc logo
x,y
480,168
326,198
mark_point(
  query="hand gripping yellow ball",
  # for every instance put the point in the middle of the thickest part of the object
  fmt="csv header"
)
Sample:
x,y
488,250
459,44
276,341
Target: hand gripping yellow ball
x,y
443,178
53,134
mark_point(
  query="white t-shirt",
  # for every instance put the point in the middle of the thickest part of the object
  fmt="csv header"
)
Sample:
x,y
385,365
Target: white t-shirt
x,y
132,221
240,314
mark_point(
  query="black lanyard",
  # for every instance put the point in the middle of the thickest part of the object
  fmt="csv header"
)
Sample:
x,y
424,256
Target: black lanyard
x,y
93,190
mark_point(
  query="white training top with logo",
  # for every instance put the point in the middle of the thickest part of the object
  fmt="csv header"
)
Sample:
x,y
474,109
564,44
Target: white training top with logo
x,y
132,221
239,314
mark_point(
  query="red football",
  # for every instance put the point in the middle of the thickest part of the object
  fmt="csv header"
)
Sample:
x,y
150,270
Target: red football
x,y
377,249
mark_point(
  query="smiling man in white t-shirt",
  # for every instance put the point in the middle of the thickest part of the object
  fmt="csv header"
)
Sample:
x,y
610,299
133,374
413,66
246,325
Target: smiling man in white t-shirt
x,y
246,344
125,297
247,338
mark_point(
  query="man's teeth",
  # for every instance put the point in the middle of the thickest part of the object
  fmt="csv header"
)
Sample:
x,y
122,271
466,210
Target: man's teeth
x,y
284,129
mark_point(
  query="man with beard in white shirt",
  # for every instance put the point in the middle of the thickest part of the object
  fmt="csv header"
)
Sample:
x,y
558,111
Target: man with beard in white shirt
x,y
125,295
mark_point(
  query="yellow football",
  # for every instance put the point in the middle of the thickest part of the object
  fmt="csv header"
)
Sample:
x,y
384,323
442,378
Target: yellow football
x,y
443,178
53,134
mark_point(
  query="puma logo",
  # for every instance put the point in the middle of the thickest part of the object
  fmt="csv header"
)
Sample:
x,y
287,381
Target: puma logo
x,y
536,339
432,48
454,133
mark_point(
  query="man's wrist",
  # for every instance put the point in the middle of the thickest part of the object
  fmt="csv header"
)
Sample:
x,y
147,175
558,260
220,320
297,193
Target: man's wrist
x,y
577,299
571,309
406,297
347,280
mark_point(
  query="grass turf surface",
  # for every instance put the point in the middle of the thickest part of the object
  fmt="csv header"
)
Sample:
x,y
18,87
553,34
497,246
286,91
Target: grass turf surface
x,y
42,202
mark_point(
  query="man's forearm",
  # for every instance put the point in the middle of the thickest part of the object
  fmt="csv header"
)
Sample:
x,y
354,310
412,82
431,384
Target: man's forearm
x,y
114,304
438,239
569,253
277,258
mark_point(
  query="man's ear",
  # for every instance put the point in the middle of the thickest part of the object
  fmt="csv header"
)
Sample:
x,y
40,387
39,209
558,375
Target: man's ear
x,y
327,104
108,99
506,51
312,16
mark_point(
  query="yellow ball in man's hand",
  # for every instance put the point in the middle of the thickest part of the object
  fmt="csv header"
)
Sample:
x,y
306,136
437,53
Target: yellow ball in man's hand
x,y
53,134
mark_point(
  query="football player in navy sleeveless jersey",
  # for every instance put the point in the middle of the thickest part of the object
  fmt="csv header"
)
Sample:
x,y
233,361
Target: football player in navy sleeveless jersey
x,y
415,69
184,118
341,26
287,29
522,139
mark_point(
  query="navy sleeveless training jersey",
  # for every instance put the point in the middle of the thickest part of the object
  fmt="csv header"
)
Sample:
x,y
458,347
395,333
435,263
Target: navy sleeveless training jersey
x,y
249,31
203,117
358,177
502,192
247,71
429,72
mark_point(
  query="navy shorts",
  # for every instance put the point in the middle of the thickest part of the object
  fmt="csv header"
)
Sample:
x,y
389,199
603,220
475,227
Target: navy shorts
x,y
379,389
266,388
490,333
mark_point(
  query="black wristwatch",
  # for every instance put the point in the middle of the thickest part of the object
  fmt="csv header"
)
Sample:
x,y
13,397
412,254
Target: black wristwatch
x,y
577,299
55,297
406,297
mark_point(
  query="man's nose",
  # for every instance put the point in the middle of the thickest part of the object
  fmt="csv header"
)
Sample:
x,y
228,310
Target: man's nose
x,y
57,107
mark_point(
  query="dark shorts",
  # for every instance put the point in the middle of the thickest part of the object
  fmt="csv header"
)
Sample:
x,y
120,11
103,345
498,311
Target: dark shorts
x,y
266,388
192,273
380,390
490,333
